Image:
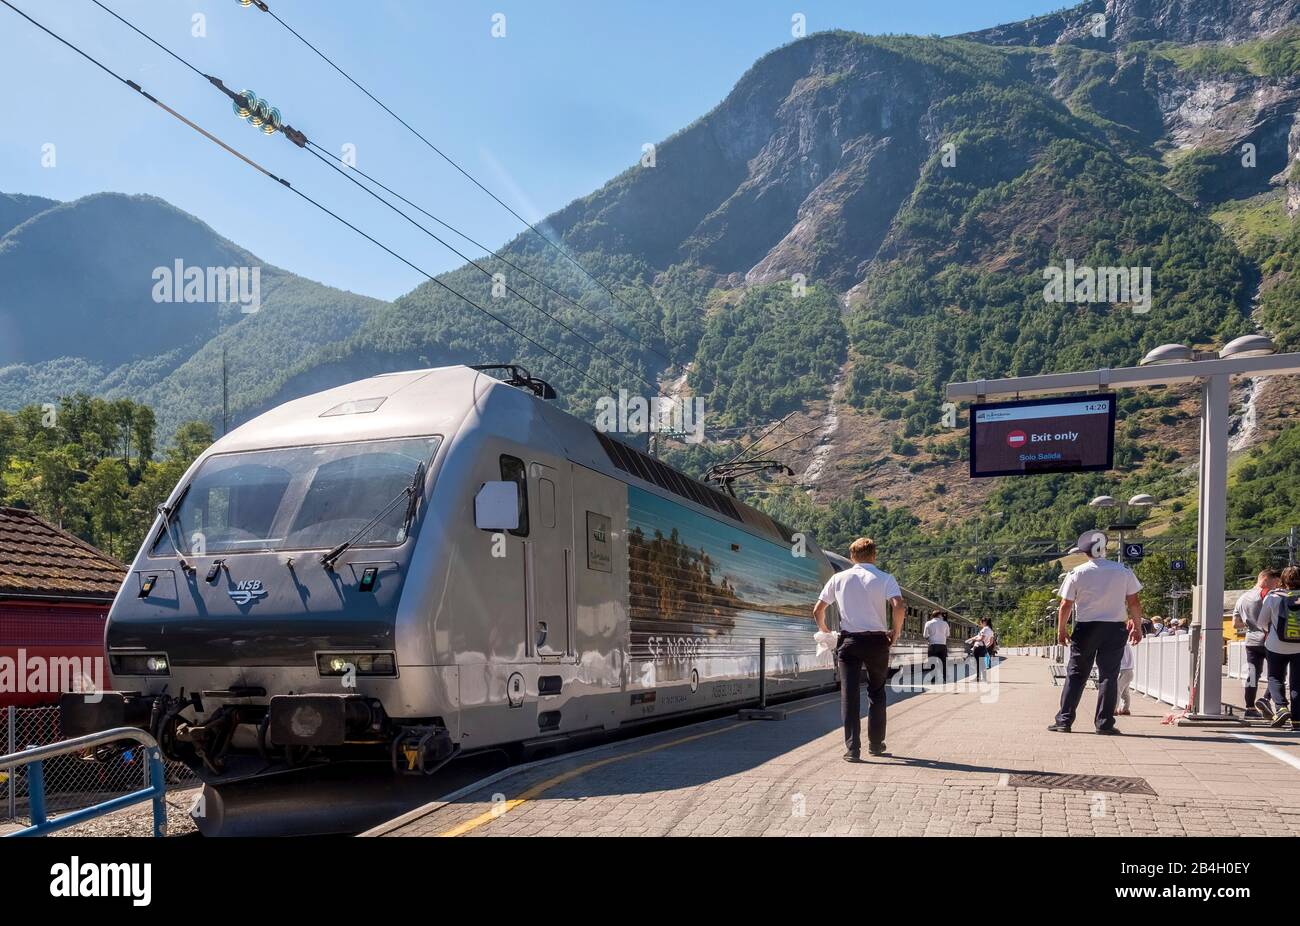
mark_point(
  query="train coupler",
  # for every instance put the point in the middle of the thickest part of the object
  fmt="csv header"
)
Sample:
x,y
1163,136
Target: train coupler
x,y
421,750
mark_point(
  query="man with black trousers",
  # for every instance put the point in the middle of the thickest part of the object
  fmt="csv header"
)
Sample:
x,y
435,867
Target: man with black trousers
x,y
1245,616
1101,594
1279,619
936,633
865,596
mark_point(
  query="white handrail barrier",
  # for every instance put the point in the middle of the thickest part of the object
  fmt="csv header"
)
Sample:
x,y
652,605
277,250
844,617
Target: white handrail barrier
x,y
1237,660
1161,666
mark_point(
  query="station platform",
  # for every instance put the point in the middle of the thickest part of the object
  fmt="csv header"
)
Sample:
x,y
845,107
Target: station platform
x,y
968,760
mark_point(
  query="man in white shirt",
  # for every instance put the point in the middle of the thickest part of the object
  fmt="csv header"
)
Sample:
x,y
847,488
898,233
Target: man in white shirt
x,y
1102,594
936,634
865,596
981,646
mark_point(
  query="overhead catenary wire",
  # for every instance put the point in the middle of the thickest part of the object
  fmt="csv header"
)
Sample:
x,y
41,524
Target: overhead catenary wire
x,y
760,438
287,185
793,439
291,133
498,255
485,271
302,142
265,8
321,153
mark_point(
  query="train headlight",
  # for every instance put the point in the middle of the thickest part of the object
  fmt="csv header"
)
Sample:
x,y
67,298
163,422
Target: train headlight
x,y
141,664
372,664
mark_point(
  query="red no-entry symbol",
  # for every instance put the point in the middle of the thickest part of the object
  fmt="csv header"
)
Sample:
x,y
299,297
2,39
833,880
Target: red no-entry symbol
x,y
1017,439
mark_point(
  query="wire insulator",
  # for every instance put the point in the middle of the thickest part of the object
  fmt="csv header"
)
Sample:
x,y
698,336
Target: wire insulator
x,y
245,103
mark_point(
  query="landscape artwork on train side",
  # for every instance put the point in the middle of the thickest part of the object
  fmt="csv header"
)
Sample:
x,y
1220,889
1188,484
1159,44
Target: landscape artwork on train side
x,y
702,593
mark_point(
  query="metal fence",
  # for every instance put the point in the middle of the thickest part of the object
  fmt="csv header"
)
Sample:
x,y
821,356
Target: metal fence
x,y
71,782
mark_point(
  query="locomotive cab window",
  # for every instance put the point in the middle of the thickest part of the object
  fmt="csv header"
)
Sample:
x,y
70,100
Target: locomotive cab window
x,y
299,498
513,470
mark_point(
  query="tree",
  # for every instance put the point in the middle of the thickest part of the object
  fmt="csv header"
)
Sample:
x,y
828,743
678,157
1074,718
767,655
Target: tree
x,y
89,466
1032,621
143,425
105,499
56,472
1158,579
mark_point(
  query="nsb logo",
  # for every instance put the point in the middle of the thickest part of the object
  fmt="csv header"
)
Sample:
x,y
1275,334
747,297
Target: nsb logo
x,y
247,591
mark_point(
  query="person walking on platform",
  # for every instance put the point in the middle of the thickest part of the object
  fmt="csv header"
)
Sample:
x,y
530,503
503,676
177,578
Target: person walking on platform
x,y
1126,669
1279,618
936,634
865,596
1245,616
981,647
1102,594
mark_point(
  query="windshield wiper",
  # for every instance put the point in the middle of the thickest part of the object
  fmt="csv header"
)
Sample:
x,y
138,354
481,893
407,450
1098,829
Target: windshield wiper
x,y
411,492
168,526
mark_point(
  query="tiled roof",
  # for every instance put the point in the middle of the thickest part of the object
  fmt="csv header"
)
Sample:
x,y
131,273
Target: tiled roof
x,y
37,558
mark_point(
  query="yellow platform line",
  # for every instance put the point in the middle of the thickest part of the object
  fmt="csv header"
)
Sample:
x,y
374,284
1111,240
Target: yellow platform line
x,y
542,787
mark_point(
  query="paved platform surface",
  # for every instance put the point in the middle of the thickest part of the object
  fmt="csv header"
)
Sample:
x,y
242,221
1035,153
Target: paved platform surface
x,y
952,755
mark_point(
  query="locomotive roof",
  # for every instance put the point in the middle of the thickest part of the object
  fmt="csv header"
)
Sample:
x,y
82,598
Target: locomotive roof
x,y
404,404
438,401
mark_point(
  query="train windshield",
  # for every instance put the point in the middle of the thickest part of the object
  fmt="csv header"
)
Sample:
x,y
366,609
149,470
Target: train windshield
x,y
299,498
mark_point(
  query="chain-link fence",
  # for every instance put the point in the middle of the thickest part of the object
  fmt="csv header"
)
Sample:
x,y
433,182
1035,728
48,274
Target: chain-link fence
x,y
73,781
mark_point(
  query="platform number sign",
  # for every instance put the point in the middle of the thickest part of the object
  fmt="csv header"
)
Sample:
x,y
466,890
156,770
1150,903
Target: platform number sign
x,y
983,569
1133,551
1178,565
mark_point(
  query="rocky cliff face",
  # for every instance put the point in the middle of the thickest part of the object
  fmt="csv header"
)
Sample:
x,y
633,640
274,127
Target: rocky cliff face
x,y
921,184
1209,77
799,170
1115,23
925,183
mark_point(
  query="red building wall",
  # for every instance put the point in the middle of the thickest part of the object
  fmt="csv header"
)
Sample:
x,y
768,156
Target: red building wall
x,y
43,644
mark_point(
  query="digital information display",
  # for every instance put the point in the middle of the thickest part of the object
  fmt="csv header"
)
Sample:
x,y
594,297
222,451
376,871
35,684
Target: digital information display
x,y
1071,434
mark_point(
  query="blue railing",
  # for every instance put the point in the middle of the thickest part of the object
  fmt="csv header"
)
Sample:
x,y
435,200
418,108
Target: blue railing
x,y
34,758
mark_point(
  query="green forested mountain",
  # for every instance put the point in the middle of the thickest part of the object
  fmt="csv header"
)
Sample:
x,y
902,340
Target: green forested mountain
x,y
80,309
15,209
862,220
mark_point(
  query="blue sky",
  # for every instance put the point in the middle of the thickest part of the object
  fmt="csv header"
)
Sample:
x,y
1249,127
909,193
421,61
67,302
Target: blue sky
x,y
547,113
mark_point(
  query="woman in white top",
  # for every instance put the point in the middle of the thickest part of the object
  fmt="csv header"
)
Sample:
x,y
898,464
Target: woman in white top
x,y
1279,618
